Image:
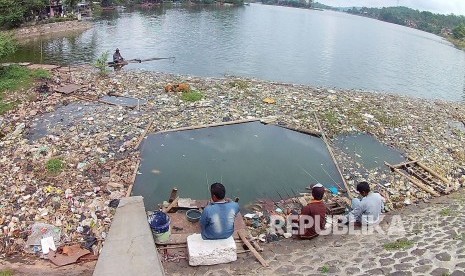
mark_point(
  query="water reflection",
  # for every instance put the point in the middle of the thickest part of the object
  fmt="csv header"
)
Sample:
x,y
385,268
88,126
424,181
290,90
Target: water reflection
x,y
253,161
271,43
77,47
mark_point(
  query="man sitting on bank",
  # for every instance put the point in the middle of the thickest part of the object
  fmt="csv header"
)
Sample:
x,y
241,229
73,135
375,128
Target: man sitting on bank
x,y
312,218
217,220
366,211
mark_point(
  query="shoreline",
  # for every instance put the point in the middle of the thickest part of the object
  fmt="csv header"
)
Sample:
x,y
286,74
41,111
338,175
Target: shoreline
x,y
97,145
35,31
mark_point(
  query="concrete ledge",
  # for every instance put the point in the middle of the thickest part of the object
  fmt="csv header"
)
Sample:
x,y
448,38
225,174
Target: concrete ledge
x,y
129,248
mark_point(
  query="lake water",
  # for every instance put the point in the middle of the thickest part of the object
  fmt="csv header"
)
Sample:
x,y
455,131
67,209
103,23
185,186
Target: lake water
x,y
367,151
319,48
252,160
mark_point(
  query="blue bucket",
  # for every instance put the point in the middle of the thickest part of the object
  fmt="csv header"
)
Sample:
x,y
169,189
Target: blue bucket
x,y
159,222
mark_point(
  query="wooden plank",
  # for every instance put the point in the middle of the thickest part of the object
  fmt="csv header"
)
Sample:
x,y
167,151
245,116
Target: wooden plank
x,y
405,163
172,204
443,179
332,155
209,125
142,136
304,131
134,175
414,181
243,235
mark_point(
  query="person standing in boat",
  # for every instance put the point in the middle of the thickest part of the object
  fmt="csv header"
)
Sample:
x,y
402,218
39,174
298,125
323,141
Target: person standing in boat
x,y
117,58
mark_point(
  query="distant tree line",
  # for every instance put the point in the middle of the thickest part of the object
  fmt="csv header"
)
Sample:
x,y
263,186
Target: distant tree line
x,y
423,20
13,13
289,3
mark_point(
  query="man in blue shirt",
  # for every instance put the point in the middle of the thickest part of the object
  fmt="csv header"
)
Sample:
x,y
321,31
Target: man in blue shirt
x,y
217,220
368,210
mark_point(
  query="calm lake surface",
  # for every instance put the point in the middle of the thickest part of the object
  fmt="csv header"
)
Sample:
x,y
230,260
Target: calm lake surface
x,y
252,160
319,48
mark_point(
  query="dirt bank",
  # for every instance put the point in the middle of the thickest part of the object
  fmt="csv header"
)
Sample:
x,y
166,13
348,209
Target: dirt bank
x,y
31,32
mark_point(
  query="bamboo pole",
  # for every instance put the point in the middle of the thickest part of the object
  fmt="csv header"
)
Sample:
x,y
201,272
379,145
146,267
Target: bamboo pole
x,y
142,136
414,181
304,131
242,234
332,155
209,125
405,163
443,179
134,175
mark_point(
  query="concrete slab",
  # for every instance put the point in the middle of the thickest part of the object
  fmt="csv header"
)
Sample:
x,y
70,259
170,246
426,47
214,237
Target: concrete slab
x,y
68,89
129,248
210,252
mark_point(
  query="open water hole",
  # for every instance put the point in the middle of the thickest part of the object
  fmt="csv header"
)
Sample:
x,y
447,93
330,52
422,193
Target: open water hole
x,y
367,151
252,160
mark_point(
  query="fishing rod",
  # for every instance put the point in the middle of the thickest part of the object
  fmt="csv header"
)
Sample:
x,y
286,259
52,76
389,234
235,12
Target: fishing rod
x,y
309,174
331,177
137,60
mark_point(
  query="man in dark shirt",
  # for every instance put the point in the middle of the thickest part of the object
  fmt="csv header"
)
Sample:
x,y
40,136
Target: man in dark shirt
x,y
312,218
117,58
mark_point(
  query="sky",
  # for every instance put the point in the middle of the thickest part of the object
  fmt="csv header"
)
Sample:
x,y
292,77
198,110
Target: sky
x,y
456,7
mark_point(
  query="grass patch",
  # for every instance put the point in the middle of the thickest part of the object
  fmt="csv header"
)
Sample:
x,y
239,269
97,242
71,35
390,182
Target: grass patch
x,y
331,117
192,96
447,212
55,165
6,272
398,245
13,78
238,83
389,121
325,269
460,237
41,74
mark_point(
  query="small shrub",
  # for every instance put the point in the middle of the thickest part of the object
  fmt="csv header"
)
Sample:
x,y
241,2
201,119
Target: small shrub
x,y
192,96
398,245
101,63
41,74
447,212
55,165
325,269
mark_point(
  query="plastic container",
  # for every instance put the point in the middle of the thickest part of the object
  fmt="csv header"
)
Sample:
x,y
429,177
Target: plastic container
x,y
159,222
193,215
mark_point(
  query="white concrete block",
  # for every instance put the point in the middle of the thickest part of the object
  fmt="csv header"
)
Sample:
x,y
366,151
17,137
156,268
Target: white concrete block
x,y
210,252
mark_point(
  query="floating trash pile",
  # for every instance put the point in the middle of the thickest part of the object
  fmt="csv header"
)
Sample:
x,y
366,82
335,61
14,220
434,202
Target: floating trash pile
x,y
69,175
